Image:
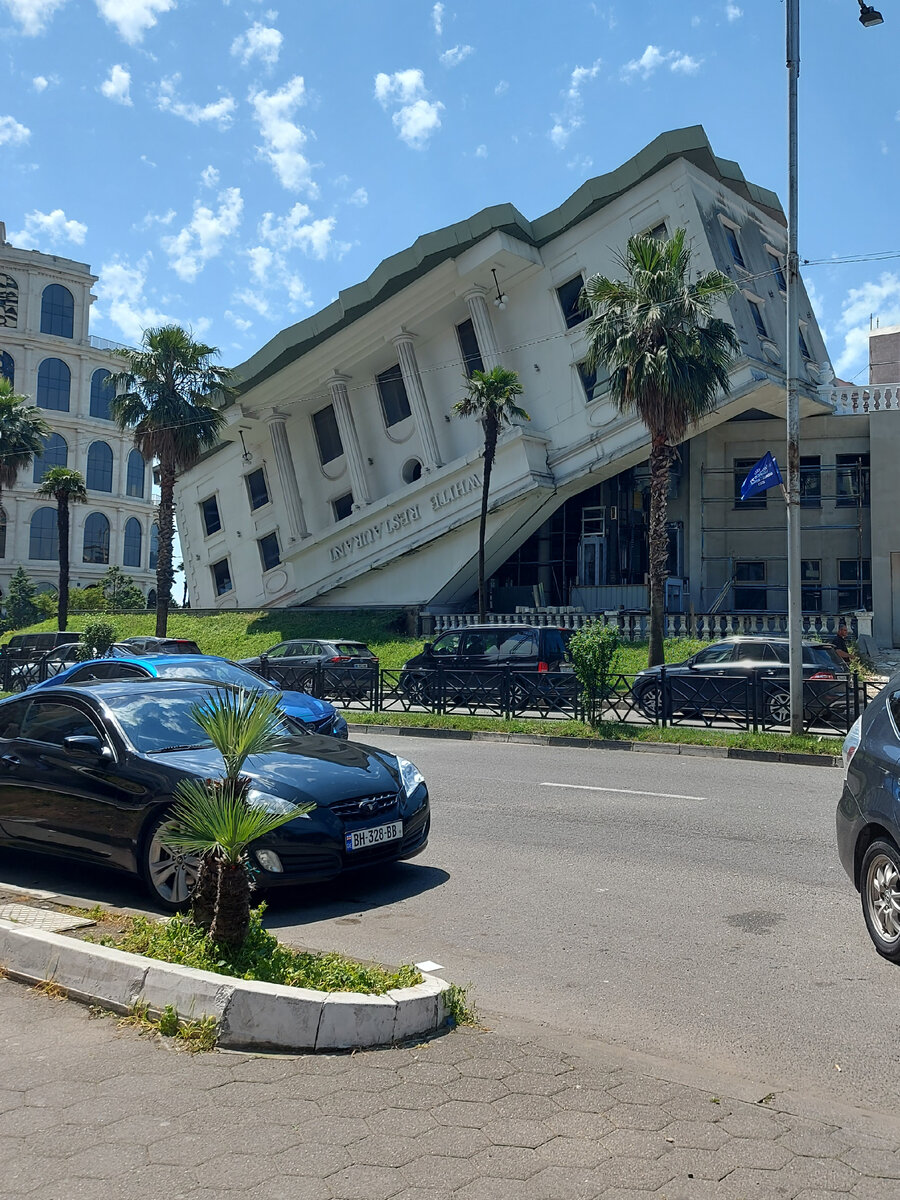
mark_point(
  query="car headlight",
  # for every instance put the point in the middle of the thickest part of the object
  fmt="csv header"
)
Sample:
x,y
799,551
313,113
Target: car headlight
x,y
410,775
272,804
339,728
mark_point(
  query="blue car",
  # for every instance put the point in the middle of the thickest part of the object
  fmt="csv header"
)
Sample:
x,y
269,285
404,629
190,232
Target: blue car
x,y
317,715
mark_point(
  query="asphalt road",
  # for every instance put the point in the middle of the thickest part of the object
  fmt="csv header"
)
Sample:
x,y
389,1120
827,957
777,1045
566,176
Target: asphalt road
x,y
688,908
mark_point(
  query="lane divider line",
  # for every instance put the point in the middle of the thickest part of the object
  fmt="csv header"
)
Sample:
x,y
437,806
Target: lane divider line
x,y
586,787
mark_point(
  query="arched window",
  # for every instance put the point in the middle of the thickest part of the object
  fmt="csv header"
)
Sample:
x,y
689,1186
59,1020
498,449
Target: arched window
x,y
44,538
8,368
133,539
151,598
154,548
101,394
134,483
96,539
57,311
99,467
54,383
56,454
2,533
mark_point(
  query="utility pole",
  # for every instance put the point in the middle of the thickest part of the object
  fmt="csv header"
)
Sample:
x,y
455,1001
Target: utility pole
x,y
795,609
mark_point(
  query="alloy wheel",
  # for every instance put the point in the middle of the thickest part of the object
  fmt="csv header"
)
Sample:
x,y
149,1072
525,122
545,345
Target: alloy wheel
x,y
172,873
883,897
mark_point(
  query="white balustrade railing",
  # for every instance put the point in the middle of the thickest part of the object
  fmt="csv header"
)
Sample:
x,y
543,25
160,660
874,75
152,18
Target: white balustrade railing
x,y
848,401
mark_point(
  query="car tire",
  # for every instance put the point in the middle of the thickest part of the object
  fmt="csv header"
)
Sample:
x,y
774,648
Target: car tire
x,y
778,707
168,874
418,690
649,701
879,890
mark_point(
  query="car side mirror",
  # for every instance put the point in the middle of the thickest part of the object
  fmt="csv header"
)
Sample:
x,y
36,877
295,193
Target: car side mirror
x,y
427,649
86,748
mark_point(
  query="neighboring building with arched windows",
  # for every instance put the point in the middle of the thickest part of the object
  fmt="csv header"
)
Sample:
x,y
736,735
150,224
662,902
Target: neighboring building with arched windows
x,y
48,354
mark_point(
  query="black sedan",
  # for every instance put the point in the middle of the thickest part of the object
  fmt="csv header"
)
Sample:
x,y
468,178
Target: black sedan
x,y
90,772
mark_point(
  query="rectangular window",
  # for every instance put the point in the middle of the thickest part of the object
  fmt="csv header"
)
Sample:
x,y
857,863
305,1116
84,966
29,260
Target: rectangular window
x,y
257,491
742,468
269,551
569,299
209,510
804,349
328,438
734,245
471,351
852,487
392,391
221,574
854,584
777,271
756,314
588,379
811,585
750,593
660,232
810,481
343,506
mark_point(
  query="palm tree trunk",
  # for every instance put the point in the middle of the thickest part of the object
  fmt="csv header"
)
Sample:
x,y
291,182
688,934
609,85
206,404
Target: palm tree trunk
x,y
660,459
62,525
231,922
164,573
490,449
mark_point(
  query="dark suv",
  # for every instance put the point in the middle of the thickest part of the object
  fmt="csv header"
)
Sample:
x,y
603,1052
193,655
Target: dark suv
x,y
717,678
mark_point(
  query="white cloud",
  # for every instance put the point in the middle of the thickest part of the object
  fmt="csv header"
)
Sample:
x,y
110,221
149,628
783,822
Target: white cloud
x,y
437,19
733,13
132,18
32,15
40,83
880,298
253,300
417,118
120,298
294,231
262,42
283,140
481,151
653,58
241,322
220,111
502,88
261,260
695,22
151,219
12,133
203,238
118,86
53,228
455,55
566,122
209,177
360,198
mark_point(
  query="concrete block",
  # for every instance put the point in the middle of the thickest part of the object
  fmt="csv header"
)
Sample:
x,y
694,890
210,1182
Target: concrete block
x,y
655,748
350,1019
269,1016
193,994
418,1008
29,953
100,974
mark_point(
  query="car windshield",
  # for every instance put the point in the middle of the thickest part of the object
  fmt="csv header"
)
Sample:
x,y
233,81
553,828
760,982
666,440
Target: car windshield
x,y
155,724
222,672
822,656
355,648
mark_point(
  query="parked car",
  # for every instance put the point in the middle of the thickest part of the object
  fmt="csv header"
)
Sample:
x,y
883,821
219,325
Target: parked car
x,y
90,773
713,680
476,650
309,652
868,817
39,642
317,715
160,645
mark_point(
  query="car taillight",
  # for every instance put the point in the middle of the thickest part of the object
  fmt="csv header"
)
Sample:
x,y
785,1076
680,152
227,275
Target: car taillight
x,y
823,675
339,658
543,667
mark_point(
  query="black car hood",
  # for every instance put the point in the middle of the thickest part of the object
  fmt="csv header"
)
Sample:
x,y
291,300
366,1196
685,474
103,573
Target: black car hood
x,y
321,769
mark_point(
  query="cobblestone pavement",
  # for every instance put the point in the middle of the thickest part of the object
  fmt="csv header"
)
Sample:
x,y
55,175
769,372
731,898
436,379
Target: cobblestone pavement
x,y
88,1109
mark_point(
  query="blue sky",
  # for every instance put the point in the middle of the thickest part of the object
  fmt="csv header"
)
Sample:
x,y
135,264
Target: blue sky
x,y
231,166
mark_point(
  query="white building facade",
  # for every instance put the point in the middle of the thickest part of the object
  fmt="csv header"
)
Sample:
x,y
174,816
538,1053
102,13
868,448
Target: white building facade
x,y
359,487
48,354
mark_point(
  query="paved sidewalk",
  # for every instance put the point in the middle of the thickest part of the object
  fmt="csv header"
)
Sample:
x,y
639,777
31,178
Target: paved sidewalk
x,y
91,1110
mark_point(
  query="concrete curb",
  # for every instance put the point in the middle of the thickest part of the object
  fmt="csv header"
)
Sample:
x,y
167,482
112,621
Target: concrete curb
x,y
535,739
250,1015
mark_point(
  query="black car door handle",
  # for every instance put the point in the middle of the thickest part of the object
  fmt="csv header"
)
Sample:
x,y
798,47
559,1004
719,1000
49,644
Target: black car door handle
x,y
9,761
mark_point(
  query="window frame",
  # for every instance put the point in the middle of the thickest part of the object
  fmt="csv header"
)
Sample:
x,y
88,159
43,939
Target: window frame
x,y
339,500
50,535
213,499
811,589
811,497
393,396
747,587
58,312
776,262
47,389
846,466
103,559
472,359
259,471
318,418
757,315
741,468
92,470
40,463
129,474
266,537
132,523
218,586
97,395
732,230
572,314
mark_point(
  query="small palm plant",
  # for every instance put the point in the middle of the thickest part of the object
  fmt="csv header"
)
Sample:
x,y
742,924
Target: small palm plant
x,y
212,817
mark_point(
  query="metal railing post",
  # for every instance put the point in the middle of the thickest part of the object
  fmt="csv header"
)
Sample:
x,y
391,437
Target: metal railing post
x,y
664,696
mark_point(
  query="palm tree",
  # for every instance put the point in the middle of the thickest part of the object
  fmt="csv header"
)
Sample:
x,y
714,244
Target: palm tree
x,y
489,396
668,359
66,487
22,433
212,817
169,401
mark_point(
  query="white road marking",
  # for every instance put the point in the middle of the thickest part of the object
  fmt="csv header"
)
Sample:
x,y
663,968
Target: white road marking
x,y
586,787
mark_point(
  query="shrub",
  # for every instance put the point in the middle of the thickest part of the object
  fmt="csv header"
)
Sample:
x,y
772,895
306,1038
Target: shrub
x,y
595,652
21,609
96,640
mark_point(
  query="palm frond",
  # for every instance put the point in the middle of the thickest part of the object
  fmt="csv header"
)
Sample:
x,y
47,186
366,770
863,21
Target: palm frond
x,y
241,724
214,818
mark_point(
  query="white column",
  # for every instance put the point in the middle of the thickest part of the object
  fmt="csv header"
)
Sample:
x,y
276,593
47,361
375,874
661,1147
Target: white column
x,y
412,379
117,518
340,398
284,465
80,399
484,328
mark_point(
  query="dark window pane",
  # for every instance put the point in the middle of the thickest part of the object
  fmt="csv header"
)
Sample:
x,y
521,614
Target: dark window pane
x,y
810,481
269,551
57,311
53,721
804,349
54,382
56,454
746,597
588,380
734,245
343,506
44,535
257,491
392,391
660,232
852,480
756,314
778,272
101,394
7,367
134,478
742,468
471,351
96,539
154,556
855,584
221,577
133,539
569,299
210,511
99,467
328,438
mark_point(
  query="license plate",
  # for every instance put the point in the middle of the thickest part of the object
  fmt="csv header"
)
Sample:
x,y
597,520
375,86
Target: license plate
x,y
361,839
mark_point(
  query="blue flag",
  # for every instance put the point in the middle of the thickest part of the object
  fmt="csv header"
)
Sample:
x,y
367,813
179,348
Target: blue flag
x,y
763,476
